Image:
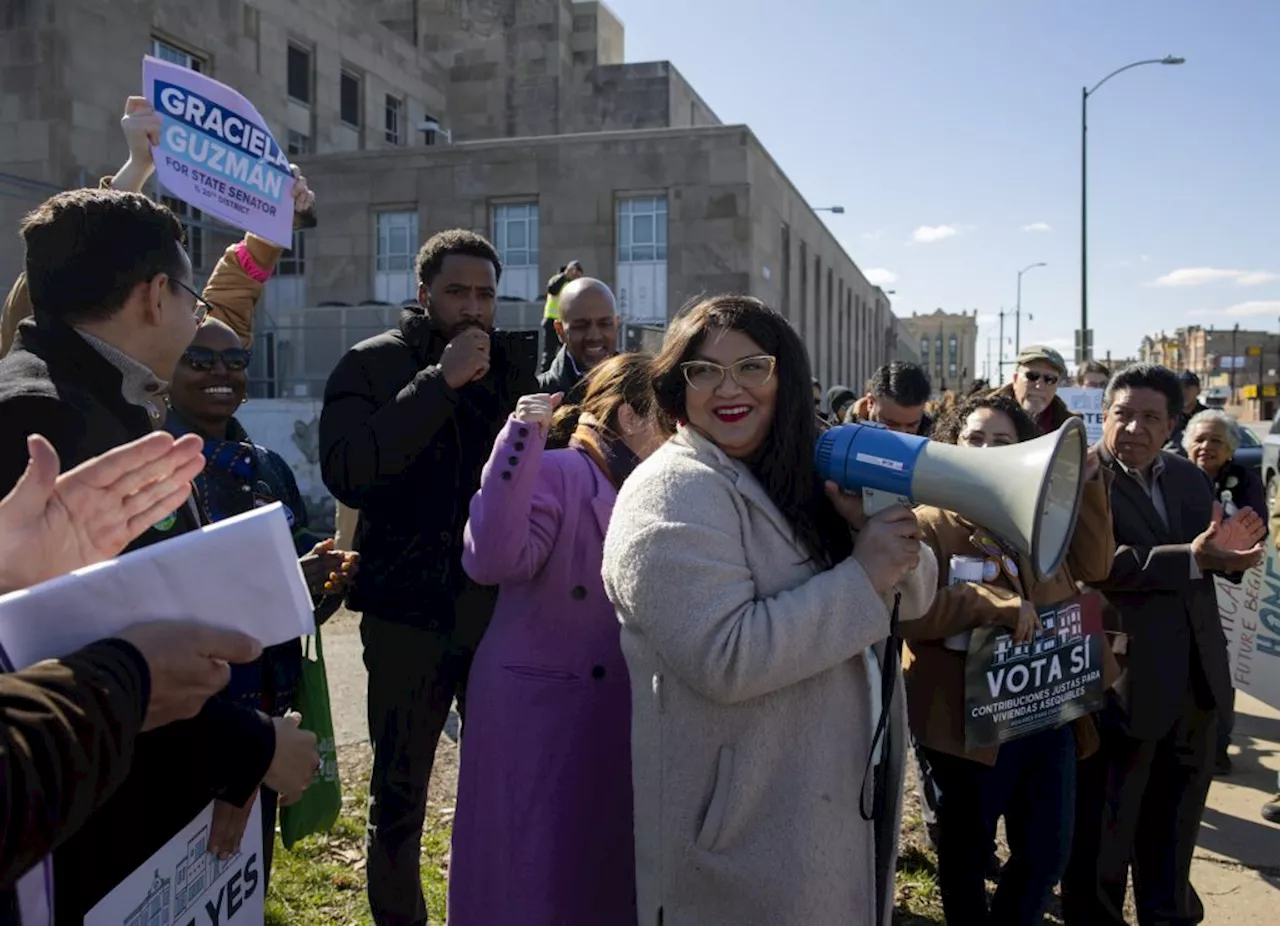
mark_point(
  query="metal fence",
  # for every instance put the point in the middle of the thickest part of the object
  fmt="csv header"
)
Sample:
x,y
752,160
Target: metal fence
x,y
295,350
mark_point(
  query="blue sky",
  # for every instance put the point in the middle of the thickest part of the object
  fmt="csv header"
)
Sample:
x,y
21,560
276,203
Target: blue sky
x,y
950,132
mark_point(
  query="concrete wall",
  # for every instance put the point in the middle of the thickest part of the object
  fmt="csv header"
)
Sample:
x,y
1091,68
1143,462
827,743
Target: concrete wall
x,y
291,428
68,66
575,180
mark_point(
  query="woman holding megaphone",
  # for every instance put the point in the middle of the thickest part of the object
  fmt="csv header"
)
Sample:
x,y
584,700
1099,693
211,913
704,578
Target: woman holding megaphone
x,y
1029,780
751,613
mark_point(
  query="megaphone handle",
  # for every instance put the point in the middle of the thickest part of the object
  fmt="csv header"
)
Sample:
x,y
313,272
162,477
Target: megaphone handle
x,y
875,501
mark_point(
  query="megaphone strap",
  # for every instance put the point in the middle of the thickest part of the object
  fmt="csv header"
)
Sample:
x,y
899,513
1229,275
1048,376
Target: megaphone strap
x,y
888,682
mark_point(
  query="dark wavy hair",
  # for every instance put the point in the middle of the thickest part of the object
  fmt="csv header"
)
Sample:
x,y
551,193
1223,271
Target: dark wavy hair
x,y
784,465
949,426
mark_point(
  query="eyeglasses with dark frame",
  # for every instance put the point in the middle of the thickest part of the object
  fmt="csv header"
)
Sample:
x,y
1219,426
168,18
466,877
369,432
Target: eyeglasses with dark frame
x,y
204,359
1050,379
749,372
202,308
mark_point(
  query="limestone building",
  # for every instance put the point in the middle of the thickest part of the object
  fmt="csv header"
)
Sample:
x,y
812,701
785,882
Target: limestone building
x,y
947,344
520,119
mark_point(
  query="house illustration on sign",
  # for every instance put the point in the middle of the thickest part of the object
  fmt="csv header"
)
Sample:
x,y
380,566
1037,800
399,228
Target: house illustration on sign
x,y
196,873
155,907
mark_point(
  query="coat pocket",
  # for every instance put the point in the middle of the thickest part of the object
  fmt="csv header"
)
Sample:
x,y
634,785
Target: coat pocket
x,y
718,808
541,673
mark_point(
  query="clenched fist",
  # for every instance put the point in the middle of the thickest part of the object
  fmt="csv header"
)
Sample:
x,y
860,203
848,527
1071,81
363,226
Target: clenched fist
x,y
538,409
465,358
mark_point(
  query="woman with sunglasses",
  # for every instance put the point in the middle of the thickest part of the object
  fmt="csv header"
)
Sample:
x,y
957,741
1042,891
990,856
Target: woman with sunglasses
x,y
208,387
1031,780
752,599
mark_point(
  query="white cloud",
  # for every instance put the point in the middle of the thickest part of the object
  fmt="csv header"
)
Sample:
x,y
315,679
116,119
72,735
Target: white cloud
x,y
1241,309
928,234
1037,227
1255,307
1198,276
988,319
878,276
872,235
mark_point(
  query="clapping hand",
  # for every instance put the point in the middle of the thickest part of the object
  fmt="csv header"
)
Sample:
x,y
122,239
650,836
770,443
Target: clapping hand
x,y
51,524
1229,546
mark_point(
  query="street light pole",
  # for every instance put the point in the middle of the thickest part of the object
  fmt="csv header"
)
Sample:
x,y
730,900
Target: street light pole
x,y
838,210
1017,331
1001,373
1085,93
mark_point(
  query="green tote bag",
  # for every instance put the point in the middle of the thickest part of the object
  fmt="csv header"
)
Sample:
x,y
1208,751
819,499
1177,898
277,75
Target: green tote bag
x,y
318,809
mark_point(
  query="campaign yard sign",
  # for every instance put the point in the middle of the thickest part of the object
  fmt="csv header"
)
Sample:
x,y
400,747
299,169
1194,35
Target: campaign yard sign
x,y
1087,403
1015,690
183,884
1250,615
217,154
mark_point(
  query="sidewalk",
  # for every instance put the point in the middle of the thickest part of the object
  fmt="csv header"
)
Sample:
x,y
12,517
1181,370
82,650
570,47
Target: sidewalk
x,y
1237,863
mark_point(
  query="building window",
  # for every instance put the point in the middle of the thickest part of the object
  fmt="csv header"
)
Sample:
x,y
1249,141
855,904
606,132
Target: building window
x,y
395,116
293,262
174,55
786,271
804,286
193,223
924,353
349,98
515,235
299,78
642,229
952,359
642,259
298,143
396,246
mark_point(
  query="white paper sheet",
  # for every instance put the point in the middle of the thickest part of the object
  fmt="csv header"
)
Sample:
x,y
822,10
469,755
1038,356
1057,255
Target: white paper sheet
x,y
183,884
238,574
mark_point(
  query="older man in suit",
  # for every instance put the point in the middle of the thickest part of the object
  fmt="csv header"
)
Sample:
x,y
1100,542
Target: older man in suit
x,y
1141,796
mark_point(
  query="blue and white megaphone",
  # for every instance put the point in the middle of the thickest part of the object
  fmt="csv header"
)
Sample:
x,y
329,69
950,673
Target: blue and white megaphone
x,y
1028,494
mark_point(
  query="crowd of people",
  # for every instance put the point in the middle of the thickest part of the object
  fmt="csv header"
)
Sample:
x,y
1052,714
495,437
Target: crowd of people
x,y
691,674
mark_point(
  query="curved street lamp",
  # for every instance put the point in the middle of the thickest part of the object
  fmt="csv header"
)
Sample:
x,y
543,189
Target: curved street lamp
x,y
838,210
1017,331
1085,347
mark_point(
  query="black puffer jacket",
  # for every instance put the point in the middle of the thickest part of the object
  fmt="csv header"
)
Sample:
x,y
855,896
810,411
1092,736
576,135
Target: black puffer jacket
x,y
404,448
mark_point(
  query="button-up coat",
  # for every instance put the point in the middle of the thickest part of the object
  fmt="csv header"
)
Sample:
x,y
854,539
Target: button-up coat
x,y
543,828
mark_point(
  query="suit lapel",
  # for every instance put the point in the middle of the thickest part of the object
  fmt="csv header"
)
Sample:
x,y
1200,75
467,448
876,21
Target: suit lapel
x,y
1172,504
1129,490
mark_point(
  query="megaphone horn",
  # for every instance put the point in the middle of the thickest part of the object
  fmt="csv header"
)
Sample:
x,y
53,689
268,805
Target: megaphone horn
x,y
1028,494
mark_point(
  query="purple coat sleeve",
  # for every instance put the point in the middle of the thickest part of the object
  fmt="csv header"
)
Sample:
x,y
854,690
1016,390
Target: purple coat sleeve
x,y
515,516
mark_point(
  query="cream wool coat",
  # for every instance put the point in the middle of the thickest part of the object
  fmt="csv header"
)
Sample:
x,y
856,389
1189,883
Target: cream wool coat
x,y
751,701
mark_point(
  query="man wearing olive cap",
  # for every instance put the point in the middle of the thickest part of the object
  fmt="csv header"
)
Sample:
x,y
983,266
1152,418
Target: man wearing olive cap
x,y
1038,372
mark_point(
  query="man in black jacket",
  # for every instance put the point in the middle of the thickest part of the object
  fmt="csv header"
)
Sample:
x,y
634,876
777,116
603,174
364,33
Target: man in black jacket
x,y
1140,798
409,419
588,333
114,310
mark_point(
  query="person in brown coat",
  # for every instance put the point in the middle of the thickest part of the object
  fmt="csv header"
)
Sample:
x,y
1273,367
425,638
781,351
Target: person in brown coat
x,y
1030,780
1038,373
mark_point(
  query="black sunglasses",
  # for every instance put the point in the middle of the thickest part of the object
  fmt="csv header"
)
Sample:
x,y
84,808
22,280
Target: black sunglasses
x,y
204,359
1034,377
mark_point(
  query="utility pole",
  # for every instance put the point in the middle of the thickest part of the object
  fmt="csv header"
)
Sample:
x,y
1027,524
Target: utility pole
x,y
1235,361
1001,369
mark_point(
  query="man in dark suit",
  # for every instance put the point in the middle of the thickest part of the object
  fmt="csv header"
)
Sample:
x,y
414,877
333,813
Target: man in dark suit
x,y
1140,798
408,423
